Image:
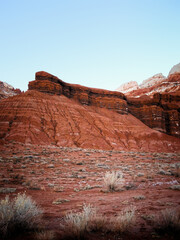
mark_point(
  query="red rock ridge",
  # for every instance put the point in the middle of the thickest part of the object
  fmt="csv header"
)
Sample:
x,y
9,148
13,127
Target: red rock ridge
x,y
48,83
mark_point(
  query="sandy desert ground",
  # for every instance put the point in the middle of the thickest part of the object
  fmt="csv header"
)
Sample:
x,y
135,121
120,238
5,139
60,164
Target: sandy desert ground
x,y
62,179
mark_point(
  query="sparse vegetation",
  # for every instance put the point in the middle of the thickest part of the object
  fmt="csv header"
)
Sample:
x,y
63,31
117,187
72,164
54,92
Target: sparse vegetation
x,y
123,222
175,187
77,224
99,223
139,197
113,181
19,214
168,222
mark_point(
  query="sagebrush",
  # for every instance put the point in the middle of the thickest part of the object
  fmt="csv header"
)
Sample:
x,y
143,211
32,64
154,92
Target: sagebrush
x,y
113,181
18,214
76,224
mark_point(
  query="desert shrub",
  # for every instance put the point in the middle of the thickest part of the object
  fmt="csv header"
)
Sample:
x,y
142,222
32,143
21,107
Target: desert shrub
x,y
98,223
113,180
19,214
77,224
168,222
139,197
6,215
123,222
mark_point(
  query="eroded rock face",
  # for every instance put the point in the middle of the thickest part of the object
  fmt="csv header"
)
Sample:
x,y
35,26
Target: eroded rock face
x,y
7,90
157,102
128,87
40,118
156,84
152,81
48,83
160,112
55,112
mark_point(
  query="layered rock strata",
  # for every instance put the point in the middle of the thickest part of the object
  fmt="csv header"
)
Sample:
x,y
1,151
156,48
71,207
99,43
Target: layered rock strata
x,y
162,112
40,118
45,82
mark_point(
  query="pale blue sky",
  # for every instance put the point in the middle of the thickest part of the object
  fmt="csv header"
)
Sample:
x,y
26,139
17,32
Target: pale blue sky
x,y
96,43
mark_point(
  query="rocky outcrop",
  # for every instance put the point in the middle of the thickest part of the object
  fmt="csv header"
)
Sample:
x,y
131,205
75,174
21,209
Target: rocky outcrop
x,y
48,83
157,102
175,69
7,90
40,118
128,87
55,112
156,84
152,81
160,112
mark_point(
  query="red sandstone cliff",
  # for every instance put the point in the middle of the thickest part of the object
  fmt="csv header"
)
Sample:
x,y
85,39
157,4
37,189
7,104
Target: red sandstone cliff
x,y
48,83
39,118
156,102
55,112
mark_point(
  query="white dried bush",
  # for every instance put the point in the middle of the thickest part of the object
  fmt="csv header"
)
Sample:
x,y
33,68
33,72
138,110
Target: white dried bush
x,y
18,214
6,215
124,221
113,181
76,224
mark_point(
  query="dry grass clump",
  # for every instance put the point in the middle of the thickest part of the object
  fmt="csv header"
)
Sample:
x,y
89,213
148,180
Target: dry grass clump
x,y
113,181
77,224
99,223
168,222
124,221
18,215
139,197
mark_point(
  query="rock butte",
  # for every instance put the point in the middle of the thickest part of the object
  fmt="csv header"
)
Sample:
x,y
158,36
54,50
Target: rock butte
x,y
48,83
55,112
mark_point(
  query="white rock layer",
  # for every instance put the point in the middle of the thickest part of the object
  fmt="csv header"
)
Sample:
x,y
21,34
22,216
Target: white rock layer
x,y
175,69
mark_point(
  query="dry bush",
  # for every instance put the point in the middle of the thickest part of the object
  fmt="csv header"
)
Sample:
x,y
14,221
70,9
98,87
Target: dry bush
x,y
113,180
139,197
19,214
98,223
6,215
168,222
77,224
123,222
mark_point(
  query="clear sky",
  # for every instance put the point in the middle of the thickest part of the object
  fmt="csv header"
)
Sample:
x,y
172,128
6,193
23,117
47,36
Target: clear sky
x,y
96,43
